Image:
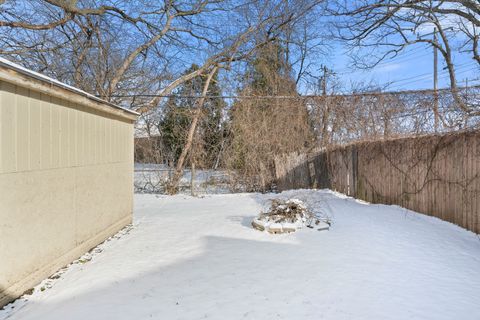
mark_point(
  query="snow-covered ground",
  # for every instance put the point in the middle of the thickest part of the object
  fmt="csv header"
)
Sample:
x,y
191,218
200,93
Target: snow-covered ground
x,y
199,258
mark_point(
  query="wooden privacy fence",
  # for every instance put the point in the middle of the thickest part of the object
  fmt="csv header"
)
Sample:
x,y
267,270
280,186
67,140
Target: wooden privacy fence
x,y
437,175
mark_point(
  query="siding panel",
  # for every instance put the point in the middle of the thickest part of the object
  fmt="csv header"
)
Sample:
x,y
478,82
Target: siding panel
x,y
35,131
65,185
9,132
23,129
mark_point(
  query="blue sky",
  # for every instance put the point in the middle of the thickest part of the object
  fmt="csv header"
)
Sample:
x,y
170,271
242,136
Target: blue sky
x,y
412,69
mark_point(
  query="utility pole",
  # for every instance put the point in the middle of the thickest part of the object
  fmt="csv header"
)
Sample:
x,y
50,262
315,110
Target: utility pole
x,y
326,109
467,93
324,81
435,79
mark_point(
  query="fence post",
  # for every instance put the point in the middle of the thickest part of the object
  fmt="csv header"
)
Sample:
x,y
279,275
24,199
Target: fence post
x,y
354,170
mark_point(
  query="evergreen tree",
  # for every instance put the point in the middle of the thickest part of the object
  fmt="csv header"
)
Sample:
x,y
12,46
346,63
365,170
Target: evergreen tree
x,y
266,127
173,128
212,129
270,72
177,118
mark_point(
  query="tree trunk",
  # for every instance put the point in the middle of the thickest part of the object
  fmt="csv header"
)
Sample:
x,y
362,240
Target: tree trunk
x,y
173,184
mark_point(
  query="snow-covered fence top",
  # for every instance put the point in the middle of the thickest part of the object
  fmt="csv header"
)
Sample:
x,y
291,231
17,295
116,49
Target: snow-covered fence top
x,y
438,175
66,175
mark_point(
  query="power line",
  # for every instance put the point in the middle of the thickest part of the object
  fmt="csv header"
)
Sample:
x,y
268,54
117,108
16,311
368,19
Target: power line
x,y
461,69
371,93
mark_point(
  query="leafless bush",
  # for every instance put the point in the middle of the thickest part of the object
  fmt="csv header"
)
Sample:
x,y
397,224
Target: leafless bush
x,y
255,130
340,119
260,130
150,180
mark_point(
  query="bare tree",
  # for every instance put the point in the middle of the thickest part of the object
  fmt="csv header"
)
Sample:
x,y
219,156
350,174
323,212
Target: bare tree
x,y
472,34
136,53
114,46
377,30
173,186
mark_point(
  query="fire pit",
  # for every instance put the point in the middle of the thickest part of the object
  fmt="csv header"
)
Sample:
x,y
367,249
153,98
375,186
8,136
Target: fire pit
x,y
286,216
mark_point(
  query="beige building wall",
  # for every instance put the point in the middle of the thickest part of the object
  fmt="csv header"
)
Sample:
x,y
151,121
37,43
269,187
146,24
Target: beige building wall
x,y
66,178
